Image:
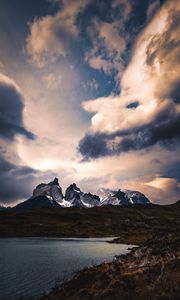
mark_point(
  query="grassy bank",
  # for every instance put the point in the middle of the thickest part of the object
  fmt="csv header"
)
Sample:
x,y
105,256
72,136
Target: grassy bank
x,y
132,225
150,272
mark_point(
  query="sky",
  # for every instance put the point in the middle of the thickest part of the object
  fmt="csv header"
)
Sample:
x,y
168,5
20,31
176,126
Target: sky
x,y
89,92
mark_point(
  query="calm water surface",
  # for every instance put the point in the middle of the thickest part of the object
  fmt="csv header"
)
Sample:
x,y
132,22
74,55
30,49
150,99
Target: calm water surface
x,y
30,266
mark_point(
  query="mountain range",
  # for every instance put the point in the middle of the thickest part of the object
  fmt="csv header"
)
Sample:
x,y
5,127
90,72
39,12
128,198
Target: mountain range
x,y
51,195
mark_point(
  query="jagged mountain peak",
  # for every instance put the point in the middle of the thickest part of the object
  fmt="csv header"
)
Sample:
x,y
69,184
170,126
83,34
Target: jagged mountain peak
x,y
54,182
74,187
122,197
50,195
51,190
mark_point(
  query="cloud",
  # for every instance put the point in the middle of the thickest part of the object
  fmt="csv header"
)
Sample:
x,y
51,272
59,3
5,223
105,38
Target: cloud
x,y
11,110
123,8
152,8
5,165
166,133
53,81
109,42
108,47
133,171
50,36
12,187
18,181
172,170
152,80
93,146
168,187
160,190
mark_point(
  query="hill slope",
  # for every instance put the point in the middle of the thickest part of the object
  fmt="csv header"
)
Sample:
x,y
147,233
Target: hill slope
x,y
131,223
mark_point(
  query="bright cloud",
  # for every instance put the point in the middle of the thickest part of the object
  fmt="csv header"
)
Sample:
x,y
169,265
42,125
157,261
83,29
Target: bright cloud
x,y
50,35
108,40
151,79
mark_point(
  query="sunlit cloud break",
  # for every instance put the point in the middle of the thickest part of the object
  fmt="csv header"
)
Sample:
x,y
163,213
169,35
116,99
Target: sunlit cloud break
x,y
89,93
152,81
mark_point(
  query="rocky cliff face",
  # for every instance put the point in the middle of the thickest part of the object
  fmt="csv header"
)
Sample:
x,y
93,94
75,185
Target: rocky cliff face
x,y
50,195
73,195
122,197
79,199
51,190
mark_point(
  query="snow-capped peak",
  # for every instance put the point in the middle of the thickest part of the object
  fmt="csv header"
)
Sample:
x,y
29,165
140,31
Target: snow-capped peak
x,y
52,192
121,197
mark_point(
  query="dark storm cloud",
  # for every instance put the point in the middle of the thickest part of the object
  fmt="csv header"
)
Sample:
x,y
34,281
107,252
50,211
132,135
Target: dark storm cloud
x,y
173,170
11,109
24,171
164,131
18,182
173,92
5,165
12,188
93,146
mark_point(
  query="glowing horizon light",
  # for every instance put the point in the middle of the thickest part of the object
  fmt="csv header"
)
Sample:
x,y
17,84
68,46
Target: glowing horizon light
x,y
47,164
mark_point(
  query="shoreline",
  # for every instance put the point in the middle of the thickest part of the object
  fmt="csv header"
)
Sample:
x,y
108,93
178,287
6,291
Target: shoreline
x,y
94,257
73,275
149,266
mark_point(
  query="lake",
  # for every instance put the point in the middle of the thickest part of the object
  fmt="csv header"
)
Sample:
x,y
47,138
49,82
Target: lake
x,y
31,266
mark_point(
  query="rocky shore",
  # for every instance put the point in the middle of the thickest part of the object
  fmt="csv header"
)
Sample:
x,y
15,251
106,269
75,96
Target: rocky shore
x,y
149,272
